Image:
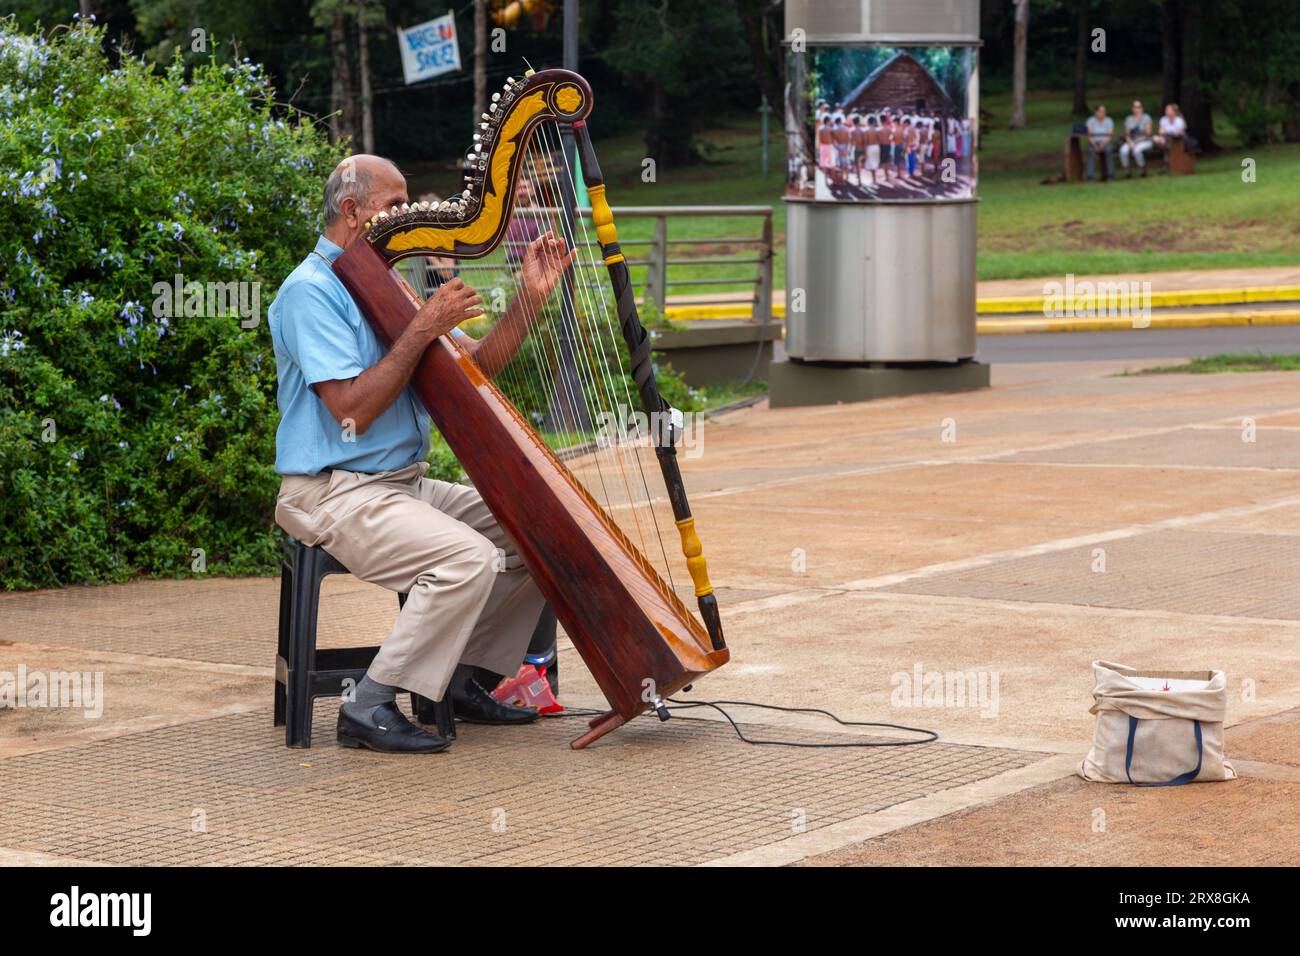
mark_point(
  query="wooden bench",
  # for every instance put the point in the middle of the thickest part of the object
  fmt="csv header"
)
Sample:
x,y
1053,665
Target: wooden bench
x,y
1178,160
1076,160
1073,159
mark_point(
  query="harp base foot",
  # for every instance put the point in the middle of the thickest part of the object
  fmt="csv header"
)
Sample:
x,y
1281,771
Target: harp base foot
x,y
599,728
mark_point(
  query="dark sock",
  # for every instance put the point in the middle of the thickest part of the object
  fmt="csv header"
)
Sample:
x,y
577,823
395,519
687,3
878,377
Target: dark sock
x,y
369,694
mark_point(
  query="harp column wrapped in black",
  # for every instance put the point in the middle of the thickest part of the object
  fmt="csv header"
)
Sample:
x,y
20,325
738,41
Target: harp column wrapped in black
x,y
656,409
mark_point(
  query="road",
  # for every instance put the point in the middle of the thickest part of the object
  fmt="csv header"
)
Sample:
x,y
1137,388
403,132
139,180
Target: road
x,y
1138,343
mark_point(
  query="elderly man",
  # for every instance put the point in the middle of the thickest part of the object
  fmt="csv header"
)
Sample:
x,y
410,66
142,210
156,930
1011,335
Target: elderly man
x,y
351,450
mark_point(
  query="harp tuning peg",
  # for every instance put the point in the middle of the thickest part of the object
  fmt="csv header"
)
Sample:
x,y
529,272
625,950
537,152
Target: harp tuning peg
x,y
492,107
496,97
465,194
382,215
486,116
478,137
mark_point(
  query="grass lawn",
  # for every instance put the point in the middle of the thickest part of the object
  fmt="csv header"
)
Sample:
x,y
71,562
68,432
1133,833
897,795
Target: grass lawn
x,y
1210,220
1230,363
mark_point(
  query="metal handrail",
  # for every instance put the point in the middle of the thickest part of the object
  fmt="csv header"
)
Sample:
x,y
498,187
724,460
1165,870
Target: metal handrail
x,y
658,259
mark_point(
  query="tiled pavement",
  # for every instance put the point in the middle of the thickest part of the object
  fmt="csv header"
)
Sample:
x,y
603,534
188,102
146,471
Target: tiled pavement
x,y
678,793
850,544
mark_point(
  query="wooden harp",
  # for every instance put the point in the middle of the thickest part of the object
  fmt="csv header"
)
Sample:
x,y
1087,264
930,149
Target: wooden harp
x,y
636,636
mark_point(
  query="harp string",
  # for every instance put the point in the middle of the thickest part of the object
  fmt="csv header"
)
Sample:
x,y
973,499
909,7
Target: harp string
x,y
591,357
547,361
583,370
576,396
600,296
594,353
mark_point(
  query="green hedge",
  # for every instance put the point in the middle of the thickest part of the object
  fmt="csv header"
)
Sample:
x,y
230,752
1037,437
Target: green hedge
x,y
130,439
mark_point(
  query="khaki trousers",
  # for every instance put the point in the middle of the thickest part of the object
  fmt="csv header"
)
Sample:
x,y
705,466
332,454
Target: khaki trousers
x,y
469,597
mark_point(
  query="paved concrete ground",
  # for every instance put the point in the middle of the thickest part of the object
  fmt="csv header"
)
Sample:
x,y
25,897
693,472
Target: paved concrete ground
x,y
1133,344
852,546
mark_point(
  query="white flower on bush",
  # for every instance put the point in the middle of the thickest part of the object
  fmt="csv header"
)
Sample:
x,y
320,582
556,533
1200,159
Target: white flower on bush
x,y
11,341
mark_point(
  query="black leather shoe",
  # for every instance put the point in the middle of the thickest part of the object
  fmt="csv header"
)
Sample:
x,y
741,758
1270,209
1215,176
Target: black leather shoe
x,y
387,730
474,705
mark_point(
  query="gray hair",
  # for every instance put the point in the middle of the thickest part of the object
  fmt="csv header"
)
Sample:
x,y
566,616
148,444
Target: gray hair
x,y
349,179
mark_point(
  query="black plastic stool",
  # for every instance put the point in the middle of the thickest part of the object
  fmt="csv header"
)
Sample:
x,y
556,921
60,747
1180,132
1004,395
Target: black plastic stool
x,y
303,673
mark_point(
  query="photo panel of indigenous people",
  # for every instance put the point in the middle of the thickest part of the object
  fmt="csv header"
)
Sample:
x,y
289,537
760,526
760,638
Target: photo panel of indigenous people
x,y
881,123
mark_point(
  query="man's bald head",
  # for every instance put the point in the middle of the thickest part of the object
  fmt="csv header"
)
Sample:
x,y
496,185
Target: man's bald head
x,y
357,189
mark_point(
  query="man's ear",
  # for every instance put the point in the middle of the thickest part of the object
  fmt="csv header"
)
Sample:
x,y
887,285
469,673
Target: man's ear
x,y
351,210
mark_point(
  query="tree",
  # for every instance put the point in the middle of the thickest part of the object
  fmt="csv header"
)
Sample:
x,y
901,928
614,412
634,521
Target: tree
x,y
764,27
1171,49
1254,73
1081,38
334,14
1197,83
366,18
685,59
1020,65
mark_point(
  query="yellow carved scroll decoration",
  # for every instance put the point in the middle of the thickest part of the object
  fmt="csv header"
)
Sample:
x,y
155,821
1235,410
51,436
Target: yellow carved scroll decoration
x,y
485,225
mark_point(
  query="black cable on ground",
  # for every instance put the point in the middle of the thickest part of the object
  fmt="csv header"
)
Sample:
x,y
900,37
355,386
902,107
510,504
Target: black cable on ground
x,y
930,735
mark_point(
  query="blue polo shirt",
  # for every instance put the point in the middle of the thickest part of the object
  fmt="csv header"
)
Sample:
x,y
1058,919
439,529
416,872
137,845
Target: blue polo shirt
x,y
319,335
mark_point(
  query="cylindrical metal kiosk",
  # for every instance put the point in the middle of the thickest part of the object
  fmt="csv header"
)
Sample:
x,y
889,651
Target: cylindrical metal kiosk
x,y
882,111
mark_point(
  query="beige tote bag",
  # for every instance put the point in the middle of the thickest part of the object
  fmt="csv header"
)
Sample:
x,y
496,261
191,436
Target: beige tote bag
x,y
1157,728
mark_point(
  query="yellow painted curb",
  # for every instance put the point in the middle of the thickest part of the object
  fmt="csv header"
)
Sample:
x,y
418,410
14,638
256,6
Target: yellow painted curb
x,y
1023,304
1172,320
1159,300
730,310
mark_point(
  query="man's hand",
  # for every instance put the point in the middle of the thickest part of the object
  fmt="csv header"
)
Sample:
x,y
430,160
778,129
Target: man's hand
x,y
545,261
450,305
359,401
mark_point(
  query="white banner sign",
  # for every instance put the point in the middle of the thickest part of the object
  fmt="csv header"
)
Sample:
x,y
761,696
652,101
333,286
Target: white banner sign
x,y
429,49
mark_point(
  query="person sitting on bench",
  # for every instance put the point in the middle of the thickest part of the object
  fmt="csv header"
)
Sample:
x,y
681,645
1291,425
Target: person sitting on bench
x,y
1101,132
1172,126
1137,140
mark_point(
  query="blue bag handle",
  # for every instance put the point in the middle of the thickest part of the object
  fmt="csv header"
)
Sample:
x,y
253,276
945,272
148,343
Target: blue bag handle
x,y
1179,780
